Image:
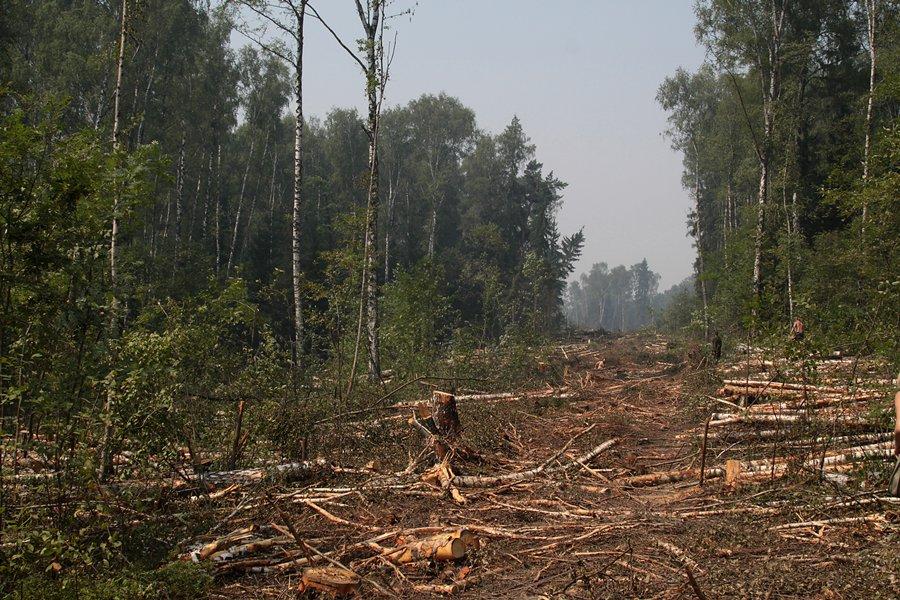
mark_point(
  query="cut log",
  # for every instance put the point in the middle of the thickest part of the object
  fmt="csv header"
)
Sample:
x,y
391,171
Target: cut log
x,y
445,546
331,580
282,472
668,477
235,536
802,387
732,471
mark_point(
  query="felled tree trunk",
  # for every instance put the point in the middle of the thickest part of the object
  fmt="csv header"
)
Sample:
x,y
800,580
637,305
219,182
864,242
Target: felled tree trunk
x,y
331,580
446,546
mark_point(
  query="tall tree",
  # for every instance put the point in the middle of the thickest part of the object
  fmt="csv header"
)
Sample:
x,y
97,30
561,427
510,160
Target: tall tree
x,y
871,28
750,33
288,16
106,464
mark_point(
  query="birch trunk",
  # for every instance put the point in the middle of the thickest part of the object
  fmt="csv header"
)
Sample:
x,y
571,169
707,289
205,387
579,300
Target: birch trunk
x,y
871,14
387,230
179,193
272,210
105,467
252,209
298,187
698,236
371,20
371,272
237,216
771,93
205,222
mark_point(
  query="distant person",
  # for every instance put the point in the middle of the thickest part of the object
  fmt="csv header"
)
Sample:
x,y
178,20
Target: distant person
x,y
797,330
894,485
717,346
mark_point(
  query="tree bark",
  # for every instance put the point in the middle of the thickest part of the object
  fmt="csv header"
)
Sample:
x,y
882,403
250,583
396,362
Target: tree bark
x,y
387,230
105,467
237,216
298,187
370,274
179,194
771,94
217,230
698,236
871,16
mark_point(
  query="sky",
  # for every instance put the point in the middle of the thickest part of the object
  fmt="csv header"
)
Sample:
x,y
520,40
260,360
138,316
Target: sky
x,y
582,77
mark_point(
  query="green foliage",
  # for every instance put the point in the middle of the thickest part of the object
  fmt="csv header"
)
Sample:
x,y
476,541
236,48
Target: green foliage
x,y
177,581
417,320
820,259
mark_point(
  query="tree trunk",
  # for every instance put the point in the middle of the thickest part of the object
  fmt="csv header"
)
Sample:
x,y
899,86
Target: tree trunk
x,y
371,269
871,14
771,94
433,231
272,211
253,198
218,215
140,129
237,215
179,194
698,236
387,230
298,188
205,223
105,467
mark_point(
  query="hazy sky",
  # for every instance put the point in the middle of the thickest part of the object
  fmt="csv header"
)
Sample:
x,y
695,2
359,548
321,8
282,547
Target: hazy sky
x,y
582,77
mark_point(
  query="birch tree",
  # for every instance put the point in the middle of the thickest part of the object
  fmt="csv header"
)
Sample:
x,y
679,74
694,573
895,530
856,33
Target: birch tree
x,y
106,442
750,33
374,62
287,18
871,25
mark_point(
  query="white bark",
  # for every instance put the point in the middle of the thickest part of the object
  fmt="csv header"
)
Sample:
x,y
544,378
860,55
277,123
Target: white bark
x,y
871,16
105,467
298,186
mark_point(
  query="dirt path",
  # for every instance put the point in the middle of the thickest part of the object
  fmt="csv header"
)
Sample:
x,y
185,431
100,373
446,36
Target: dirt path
x,y
583,531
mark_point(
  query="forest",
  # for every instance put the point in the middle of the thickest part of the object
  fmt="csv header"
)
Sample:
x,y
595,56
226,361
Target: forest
x,y
221,313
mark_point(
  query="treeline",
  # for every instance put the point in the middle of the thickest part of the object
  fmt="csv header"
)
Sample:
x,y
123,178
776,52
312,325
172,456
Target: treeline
x,y
791,145
619,299
168,234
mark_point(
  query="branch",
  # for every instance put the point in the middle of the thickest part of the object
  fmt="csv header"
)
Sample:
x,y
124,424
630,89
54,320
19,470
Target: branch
x,y
268,18
267,47
337,38
737,88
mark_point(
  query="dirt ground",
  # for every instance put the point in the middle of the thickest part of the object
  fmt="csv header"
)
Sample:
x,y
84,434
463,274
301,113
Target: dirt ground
x,y
582,530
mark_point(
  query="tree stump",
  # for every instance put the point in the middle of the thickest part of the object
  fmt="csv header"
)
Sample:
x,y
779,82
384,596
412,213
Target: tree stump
x,y
445,418
445,415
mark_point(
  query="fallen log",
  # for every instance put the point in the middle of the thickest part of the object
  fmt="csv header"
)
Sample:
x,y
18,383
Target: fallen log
x,y
651,479
281,472
719,419
444,546
330,580
802,387
248,548
491,480
209,549
873,518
